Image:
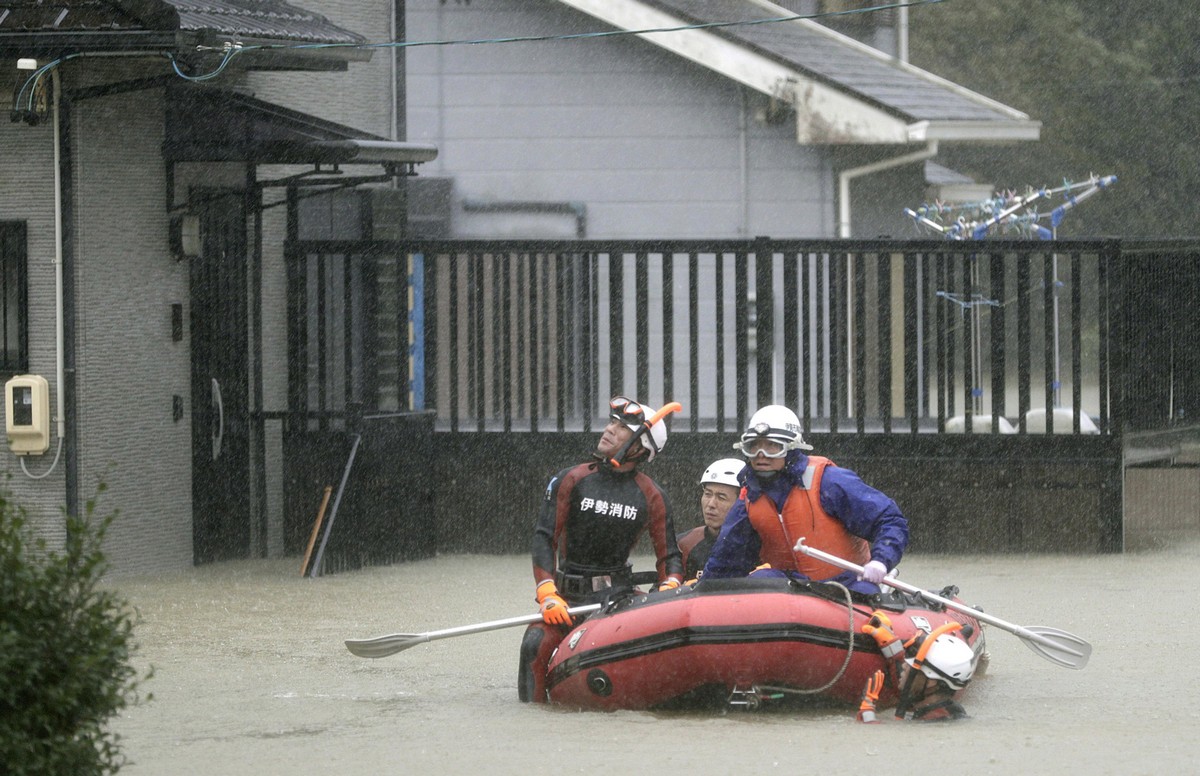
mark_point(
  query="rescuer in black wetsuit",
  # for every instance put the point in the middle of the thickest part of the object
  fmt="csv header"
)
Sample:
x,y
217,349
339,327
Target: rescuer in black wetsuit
x,y
591,518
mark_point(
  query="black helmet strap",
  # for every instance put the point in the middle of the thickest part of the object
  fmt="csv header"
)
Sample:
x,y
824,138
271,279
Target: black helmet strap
x,y
622,455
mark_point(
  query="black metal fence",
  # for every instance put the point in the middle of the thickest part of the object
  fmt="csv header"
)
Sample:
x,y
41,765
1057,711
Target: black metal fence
x,y
860,337
885,349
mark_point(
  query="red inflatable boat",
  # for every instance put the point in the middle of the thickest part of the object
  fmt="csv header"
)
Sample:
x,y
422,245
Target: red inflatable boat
x,y
738,642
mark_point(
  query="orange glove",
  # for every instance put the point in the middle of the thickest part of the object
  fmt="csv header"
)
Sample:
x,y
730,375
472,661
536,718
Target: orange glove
x,y
879,627
866,709
554,606
669,584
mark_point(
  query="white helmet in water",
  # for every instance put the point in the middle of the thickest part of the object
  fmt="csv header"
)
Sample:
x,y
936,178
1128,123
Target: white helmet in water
x,y
948,660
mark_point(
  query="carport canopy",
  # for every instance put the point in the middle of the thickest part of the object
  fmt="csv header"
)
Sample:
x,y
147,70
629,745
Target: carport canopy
x,y
206,124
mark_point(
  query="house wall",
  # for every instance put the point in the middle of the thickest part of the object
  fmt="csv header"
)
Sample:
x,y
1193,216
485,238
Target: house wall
x,y
877,201
27,194
652,145
127,366
362,96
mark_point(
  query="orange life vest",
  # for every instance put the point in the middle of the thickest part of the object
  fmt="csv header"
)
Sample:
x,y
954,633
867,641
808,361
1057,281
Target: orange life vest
x,y
802,516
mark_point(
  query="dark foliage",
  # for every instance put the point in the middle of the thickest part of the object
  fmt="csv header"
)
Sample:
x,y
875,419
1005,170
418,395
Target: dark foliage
x,y
1114,85
66,645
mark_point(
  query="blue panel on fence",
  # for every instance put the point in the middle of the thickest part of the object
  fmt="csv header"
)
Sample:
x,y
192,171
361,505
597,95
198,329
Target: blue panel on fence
x,y
416,331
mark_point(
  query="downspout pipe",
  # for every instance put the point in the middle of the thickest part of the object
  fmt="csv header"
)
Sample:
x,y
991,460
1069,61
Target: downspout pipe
x,y
744,162
846,176
59,365
399,32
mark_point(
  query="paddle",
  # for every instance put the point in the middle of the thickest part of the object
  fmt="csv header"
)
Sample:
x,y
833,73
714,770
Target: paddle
x,y
1057,646
383,646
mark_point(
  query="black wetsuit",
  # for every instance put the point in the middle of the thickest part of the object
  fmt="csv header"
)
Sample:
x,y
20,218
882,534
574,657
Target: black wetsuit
x,y
695,545
591,519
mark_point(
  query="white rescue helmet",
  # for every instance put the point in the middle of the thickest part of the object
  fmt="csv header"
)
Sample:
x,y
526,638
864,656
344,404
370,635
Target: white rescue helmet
x,y
723,472
776,423
949,660
634,415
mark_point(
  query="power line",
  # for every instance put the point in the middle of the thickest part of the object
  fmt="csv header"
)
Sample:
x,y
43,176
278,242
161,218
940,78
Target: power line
x,y
231,50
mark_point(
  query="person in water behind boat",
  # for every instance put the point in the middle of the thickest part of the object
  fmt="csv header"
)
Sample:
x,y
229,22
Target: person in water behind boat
x,y
789,495
719,488
590,520
926,671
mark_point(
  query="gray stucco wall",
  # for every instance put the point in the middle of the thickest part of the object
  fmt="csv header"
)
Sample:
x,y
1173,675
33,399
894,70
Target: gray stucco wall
x,y
361,97
654,146
128,367
27,194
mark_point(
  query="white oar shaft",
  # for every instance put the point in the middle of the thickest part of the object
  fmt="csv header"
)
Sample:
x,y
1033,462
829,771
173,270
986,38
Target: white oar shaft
x,y
382,646
1024,633
508,622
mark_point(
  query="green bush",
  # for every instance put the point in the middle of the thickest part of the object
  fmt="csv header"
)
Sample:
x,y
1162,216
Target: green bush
x,y
65,649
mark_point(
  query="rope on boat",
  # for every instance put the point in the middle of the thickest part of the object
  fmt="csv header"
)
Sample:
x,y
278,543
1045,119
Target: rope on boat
x,y
849,649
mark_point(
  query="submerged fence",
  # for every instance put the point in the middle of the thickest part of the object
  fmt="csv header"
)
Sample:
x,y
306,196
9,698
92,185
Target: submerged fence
x,y
987,386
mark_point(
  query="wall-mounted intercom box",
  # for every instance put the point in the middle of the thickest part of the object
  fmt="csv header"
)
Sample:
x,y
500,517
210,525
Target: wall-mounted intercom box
x,y
27,414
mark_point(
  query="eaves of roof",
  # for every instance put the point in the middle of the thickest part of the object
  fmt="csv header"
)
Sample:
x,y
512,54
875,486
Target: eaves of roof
x,y
207,124
271,34
842,91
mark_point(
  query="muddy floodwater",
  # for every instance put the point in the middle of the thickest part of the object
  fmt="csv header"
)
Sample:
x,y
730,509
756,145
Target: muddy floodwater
x,y
252,677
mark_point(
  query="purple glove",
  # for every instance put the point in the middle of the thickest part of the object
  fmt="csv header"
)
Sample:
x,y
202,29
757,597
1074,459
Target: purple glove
x,y
873,572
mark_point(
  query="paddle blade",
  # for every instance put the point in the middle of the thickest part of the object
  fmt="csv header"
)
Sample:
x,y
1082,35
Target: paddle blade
x,y
398,642
383,646
1058,646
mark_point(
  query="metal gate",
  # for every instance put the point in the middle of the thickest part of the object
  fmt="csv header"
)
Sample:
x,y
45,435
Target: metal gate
x,y
995,372
220,410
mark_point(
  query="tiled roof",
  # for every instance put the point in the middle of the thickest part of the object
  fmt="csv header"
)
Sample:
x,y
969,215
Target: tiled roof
x,y
261,19
68,15
257,19
900,89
